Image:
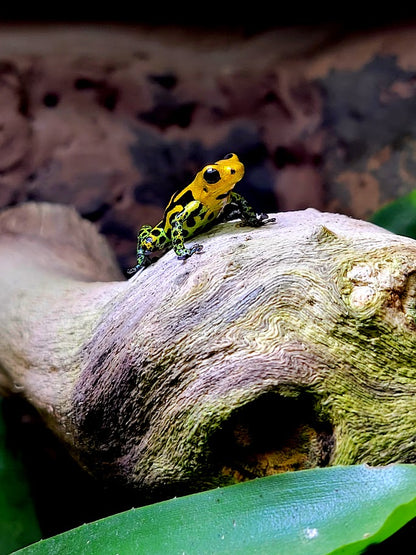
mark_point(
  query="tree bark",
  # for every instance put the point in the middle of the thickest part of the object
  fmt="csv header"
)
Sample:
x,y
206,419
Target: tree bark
x,y
278,348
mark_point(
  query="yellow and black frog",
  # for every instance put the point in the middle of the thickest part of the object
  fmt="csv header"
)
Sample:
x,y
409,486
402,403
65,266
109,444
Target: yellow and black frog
x,y
196,207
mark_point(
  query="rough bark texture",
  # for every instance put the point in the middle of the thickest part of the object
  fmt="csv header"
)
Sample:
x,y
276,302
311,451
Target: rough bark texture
x,y
278,348
114,119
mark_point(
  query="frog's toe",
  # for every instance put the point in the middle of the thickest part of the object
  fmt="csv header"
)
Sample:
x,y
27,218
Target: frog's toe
x,y
132,271
267,220
258,221
263,218
196,248
189,252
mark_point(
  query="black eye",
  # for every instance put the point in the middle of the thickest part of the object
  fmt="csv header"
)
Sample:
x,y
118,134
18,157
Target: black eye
x,y
211,175
228,156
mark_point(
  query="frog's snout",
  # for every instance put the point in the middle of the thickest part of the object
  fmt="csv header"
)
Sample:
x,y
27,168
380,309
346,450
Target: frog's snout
x,y
236,171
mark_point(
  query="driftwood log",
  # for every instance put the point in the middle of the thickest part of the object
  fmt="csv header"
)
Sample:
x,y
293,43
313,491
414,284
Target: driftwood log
x,y
279,348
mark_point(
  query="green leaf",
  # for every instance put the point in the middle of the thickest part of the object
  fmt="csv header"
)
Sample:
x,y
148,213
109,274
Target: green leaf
x,y
319,511
18,523
398,216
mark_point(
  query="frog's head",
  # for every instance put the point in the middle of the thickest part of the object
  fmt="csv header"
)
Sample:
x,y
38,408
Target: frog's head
x,y
220,178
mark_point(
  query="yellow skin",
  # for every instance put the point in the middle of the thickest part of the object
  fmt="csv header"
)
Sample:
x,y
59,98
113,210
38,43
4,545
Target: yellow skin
x,y
196,207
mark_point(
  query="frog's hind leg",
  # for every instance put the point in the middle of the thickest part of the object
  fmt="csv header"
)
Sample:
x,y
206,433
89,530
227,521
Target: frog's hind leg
x,y
141,254
143,260
144,231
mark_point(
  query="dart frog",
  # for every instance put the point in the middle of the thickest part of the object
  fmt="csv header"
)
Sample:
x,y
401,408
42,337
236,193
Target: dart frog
x,y
195,208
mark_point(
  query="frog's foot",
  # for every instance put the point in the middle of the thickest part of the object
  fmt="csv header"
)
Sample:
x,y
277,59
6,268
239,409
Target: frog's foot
x,y
143,260
185,253
259,220
133,270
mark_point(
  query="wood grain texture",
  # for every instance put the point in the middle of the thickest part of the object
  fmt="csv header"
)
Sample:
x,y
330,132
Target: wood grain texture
x,y
279,348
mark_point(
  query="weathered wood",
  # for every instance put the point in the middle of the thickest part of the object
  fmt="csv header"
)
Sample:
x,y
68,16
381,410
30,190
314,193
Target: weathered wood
x,y
277,348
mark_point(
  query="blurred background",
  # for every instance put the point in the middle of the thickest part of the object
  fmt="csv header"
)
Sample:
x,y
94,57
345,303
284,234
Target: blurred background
x,y
113,111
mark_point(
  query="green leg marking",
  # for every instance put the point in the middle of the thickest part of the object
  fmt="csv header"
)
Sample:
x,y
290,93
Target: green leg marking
x,y
142,259
178,240
143,233
248,215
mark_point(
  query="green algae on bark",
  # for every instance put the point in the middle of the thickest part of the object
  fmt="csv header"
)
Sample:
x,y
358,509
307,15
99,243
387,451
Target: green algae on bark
x,y
279,348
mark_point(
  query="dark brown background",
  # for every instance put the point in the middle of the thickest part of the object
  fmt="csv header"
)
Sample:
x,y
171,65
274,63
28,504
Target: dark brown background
x,y
114,117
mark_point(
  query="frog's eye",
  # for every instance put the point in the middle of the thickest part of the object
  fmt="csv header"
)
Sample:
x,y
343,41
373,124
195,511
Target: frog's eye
x,y
228,156
211,175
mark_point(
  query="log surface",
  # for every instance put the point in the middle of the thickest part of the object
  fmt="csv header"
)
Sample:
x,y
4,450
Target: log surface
x,y
278,348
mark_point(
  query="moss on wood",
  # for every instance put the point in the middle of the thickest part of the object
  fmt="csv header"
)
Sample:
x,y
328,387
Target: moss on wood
x,y
279,348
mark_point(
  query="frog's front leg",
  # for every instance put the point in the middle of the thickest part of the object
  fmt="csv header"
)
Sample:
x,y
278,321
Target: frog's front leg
x,y
248,215
189,215
141,253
